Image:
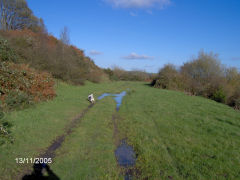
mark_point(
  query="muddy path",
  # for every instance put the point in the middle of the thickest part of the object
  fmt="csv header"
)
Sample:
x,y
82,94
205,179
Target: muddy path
x,y
50,152
115,130
124,153
57,143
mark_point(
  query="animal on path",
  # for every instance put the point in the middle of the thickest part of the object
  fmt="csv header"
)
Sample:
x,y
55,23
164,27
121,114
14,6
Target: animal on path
x,y
91,98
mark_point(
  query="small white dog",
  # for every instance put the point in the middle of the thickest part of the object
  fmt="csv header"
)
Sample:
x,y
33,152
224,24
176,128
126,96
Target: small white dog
x,y
91,98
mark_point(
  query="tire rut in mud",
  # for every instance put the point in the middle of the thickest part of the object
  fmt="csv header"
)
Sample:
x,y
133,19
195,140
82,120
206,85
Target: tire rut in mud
x,y
124,153
56,144
50,152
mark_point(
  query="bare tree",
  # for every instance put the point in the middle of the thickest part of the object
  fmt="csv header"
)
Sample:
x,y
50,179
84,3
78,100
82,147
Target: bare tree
x,y
15,14
64,36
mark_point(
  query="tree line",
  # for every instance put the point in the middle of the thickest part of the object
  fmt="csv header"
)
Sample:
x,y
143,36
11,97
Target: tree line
x,y
203,76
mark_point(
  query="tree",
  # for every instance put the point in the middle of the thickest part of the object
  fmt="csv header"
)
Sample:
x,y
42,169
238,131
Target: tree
x,y
42,25
64,36
204,74
203,68
168,78
15,15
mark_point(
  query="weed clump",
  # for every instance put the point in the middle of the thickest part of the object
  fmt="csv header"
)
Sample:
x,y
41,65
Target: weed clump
x,y
4,129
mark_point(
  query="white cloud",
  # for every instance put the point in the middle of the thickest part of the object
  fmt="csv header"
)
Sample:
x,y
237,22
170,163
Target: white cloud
x,y
139,3
95,53
136,56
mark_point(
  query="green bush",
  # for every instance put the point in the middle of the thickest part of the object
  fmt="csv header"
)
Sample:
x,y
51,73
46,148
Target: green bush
x,y
5,133
219,96
203,76
6,53
237,103
168,78
17,100
21,85
4,129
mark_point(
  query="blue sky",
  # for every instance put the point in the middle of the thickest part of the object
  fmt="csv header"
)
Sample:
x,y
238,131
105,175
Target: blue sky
x,y
146,34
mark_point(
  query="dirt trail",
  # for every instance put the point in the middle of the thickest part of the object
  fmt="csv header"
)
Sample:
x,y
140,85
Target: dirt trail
x,y
115,130
127,169
50,151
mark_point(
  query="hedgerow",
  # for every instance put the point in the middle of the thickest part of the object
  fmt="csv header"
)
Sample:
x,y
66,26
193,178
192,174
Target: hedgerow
x,y
204,76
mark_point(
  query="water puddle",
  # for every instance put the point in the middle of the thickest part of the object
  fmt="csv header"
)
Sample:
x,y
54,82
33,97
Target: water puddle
x,y
125,155
117,97
126,158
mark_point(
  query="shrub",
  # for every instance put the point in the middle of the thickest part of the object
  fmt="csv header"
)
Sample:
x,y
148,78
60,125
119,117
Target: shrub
x,y
6,53
203,76
5,133
237,103
112,76
168,78
234,100
219,96
46,53
21,85
17,100
4,129
202,72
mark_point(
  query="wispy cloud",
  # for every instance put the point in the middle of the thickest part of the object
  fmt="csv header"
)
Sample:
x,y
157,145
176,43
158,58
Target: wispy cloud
x,y
136,56
95,53
139,3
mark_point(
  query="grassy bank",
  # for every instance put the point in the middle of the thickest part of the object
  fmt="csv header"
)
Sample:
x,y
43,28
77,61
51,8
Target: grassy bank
x,y
181,136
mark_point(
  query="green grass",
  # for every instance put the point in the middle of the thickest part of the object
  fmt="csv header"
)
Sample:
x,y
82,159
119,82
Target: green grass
x,y
181,136
90,149
174,135
35,128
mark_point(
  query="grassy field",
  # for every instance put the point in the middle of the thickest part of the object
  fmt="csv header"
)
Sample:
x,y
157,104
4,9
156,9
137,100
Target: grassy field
x,y
181,136
174,135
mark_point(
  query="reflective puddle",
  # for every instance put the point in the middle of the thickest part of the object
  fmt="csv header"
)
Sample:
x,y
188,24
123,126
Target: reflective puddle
x,y
125,155
117,97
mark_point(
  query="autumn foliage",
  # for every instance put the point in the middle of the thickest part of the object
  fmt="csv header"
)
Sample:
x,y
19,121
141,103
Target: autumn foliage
x,y
44,52
21,85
